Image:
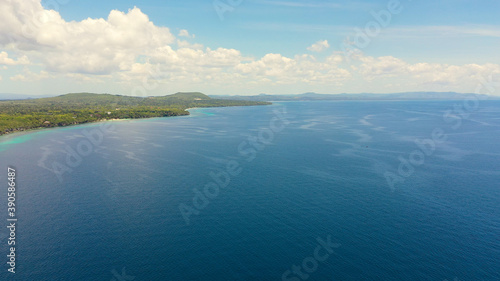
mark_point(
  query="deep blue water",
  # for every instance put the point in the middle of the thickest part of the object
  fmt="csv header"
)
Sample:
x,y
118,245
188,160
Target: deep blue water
x,y
113,211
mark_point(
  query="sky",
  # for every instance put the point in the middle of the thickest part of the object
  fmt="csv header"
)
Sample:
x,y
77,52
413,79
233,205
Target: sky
x,y
247,47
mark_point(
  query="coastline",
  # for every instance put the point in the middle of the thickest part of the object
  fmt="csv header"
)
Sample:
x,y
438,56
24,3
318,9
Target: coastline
x,y
21,136
41,129
19,133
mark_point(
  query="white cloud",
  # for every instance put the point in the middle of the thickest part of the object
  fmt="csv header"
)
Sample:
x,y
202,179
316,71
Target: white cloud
x,y
82,78
97,46
128,49
190,57
186,44
319,46
300,69
431,76
29,76
5,60
387,66
18,77
185,33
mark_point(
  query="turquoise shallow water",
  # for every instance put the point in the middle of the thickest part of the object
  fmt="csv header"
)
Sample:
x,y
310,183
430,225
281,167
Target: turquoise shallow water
x,y
104,201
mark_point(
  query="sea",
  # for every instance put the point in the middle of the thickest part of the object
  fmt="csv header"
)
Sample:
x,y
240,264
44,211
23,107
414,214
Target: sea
x,y
319,190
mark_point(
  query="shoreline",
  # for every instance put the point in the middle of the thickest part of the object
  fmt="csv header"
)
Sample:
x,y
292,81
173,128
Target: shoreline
x,y
41,129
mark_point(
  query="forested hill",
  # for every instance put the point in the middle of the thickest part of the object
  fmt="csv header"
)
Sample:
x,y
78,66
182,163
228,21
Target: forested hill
x,y
78,108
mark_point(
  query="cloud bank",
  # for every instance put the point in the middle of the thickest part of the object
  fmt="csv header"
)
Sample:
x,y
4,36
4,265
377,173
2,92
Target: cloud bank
x,y
127,48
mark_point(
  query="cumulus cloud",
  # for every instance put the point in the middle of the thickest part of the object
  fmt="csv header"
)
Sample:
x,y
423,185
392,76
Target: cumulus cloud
x,y
18,77
185,33
127,48
28,76
97,46
301,68
456,77
186,44
386,66
5,60
319,46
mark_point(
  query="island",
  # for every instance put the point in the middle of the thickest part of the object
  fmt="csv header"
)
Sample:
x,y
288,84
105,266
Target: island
x,y
79,108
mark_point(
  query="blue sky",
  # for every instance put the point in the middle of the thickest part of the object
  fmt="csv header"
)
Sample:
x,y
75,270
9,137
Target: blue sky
x,y
253,46
288,27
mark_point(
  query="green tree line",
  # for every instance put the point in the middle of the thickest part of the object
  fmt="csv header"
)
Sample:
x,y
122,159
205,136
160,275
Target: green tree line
x,y
72,109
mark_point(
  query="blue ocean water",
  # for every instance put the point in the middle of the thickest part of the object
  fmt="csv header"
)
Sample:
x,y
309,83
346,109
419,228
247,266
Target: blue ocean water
x,y
347,190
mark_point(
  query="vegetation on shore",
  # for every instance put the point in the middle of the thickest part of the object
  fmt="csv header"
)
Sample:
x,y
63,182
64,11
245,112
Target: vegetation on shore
x,y
78,108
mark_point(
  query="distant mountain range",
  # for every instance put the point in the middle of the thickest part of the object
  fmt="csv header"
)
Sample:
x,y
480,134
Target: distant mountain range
x,y
362,96
312,96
